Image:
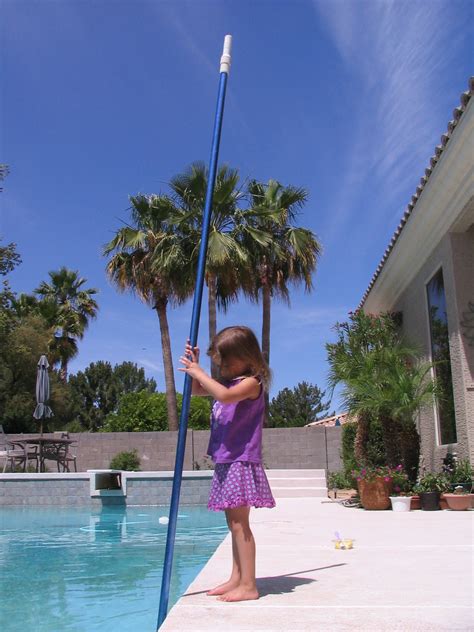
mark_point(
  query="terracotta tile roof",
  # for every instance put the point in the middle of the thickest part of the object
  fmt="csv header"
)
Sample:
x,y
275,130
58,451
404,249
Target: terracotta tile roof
x,y
457,114
331,421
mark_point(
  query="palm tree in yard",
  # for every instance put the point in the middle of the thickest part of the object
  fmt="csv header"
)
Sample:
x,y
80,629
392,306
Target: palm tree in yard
x,y
291,255
287,255
152,259
68,307
225,254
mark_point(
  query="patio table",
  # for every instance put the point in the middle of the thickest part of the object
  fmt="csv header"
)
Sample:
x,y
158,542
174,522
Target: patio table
x,y
52,449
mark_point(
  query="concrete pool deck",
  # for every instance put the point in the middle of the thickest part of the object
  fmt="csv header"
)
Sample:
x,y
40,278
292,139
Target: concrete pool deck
x,y
407,571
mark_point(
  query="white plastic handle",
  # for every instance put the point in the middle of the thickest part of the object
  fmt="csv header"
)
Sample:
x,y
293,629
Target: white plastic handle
x,y
226,58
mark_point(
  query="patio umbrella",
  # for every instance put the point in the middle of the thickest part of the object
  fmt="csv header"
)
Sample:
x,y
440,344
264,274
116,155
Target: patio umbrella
x,y
42,410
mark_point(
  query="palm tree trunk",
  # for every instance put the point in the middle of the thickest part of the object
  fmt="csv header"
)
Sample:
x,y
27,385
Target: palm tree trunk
x,y
266,302
63,370
212,293
361,440
171,403
391,440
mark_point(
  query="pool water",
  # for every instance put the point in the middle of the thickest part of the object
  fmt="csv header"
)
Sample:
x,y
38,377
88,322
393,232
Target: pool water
x,y
73,570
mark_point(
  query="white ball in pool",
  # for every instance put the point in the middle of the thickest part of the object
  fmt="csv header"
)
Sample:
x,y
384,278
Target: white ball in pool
x,y
163,520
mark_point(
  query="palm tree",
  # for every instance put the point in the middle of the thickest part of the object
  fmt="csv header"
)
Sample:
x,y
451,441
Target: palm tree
x,y
70,307
152,259
224,253
289,255
292,256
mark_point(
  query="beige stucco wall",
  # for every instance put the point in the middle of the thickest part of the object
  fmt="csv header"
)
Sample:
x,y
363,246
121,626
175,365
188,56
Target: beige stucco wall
x,y
455,254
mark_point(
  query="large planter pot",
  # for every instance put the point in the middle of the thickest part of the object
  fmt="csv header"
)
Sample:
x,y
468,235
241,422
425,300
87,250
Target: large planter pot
x,y
459,502
400,503
415,502
375,494
442,502
429,501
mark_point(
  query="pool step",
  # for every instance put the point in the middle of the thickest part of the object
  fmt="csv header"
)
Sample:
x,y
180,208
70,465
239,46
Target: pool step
x,y
297,483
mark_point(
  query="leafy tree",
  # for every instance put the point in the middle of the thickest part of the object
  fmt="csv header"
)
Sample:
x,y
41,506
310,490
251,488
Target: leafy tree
x,y
298,406
23,345
71,307
145,412
151,259
4,171
98,389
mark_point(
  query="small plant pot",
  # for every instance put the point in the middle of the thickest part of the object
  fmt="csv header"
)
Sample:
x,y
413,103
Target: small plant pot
x,y
401,503
415,502
459,502
429,501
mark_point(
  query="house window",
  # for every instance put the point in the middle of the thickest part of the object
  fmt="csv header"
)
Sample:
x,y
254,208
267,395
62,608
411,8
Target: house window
x,y
441,358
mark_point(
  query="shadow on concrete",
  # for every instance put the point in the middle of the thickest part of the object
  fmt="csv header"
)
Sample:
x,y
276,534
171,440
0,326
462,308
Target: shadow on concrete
x,y
279,584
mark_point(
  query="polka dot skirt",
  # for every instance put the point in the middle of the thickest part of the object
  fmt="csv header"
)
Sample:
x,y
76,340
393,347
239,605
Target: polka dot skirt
x,y
239,484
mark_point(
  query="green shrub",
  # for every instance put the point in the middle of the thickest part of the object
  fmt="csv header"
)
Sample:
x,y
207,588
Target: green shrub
x,y
146,412
128,461
339,480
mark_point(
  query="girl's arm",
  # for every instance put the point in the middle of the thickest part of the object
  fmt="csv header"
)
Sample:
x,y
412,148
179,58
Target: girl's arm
x,y
248,388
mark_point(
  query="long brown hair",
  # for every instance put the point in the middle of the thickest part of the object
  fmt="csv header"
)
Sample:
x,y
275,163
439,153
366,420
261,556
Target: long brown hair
x,y
240,342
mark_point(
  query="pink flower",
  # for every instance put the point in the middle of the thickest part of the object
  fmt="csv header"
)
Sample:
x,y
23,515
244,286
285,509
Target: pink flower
x,y
387,479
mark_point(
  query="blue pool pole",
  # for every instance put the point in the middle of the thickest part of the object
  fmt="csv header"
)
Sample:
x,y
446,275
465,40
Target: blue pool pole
x,y
183,420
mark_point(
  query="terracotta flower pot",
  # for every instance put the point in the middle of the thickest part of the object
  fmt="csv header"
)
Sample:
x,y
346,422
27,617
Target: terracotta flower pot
x,y
459,502
443,503
415,502
375,494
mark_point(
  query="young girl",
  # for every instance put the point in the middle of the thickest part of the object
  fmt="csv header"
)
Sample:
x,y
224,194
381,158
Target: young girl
x,y
235,445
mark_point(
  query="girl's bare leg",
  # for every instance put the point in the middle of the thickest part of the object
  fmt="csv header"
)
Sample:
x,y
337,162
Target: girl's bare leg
x,y
234,580
238,521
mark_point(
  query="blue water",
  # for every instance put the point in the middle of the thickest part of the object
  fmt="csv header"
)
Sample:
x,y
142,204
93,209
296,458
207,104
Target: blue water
x,y
73,570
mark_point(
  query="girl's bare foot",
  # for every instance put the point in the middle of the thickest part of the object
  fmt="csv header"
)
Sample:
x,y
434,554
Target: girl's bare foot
x,y
223,588
240,594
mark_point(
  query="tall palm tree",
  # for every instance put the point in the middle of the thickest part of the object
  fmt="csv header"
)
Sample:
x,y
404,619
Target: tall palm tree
x,y
291,255
224,253
152,259
70,307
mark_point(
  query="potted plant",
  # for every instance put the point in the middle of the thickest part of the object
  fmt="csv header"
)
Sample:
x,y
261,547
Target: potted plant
x,y
429,488
462,475
374,485
459,500
401,495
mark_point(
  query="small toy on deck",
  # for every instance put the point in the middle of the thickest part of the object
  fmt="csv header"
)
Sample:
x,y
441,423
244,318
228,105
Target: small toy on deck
x,y
343,543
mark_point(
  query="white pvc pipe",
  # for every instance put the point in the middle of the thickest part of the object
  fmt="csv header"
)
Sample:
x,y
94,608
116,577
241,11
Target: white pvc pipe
x,y
225,59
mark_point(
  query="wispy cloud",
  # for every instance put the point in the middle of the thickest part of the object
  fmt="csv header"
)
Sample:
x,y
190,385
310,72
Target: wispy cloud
x,y
397,52
149,365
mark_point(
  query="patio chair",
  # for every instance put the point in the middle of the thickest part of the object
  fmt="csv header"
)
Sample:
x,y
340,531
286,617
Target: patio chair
x,y
59,453
69,457
11,455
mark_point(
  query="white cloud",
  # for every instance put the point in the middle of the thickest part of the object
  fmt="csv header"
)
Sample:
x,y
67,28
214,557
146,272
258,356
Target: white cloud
x,y
398,53
149,365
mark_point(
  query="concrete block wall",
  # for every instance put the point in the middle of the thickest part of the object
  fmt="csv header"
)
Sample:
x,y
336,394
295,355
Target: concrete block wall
x,y
283,448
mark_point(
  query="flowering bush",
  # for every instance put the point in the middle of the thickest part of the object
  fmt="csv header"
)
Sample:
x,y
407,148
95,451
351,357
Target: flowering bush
x,y
396,476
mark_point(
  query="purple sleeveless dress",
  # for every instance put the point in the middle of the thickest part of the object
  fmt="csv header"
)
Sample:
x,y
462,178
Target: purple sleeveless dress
x,y
236,448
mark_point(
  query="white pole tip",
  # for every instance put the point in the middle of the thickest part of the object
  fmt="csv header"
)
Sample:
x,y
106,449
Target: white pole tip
x,y
226,54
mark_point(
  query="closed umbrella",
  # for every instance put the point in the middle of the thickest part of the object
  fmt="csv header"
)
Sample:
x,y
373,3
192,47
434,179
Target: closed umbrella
x,y
42,410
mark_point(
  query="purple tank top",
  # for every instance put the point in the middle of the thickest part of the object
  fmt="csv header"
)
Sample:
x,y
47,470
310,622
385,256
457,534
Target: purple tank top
x,y
236,429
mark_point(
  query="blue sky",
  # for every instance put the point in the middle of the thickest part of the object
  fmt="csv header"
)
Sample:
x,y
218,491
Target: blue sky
x,y
103,99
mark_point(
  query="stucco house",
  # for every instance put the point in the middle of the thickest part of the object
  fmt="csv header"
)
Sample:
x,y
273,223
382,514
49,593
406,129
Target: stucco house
x,y
427,274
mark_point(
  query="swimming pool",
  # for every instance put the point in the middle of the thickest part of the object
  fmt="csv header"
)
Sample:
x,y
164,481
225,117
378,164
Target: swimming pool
x,y
73,570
